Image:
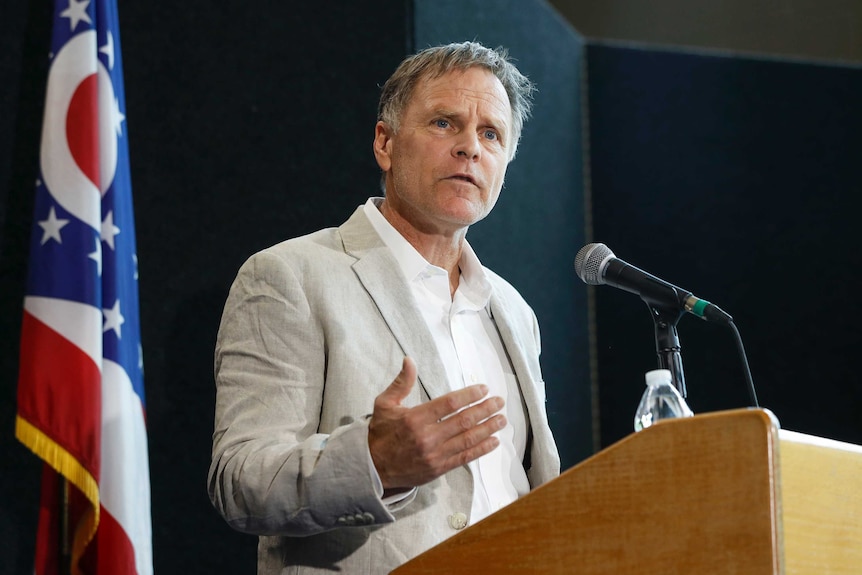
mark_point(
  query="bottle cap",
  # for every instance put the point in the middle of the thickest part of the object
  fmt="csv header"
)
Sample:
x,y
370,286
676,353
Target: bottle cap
x,y
658,376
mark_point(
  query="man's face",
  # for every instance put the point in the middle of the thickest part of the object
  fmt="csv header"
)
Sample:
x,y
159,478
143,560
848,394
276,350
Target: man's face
x,y
446,164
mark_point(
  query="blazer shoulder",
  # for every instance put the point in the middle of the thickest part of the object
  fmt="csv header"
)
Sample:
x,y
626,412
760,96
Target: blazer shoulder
x,y
354,237
506,291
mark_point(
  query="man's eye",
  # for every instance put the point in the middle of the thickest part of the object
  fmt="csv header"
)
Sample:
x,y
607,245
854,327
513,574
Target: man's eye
x,y
441,123
490,135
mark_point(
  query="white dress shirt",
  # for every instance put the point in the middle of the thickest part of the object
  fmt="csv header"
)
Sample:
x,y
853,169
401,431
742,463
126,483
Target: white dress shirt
x,y
472,351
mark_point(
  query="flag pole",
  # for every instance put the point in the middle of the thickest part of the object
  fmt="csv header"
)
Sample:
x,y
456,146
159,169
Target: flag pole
x,y
65,547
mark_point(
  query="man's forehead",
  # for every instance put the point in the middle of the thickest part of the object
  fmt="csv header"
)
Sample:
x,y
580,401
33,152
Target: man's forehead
x,y
472,83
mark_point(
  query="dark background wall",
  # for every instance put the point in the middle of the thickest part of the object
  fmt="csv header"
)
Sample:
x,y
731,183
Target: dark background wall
x,y
725,143
737,178
248,125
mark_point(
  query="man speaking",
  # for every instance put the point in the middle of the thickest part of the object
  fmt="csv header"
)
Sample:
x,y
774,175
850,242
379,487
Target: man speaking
x,y
378,389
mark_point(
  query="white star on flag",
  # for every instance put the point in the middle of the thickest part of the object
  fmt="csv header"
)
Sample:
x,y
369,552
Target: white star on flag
x,y
76,12
108,50
118,117
109,230
113,319
96,256
51,227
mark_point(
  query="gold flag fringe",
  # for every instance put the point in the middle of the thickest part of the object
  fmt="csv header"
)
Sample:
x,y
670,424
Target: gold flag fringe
x,y
66,465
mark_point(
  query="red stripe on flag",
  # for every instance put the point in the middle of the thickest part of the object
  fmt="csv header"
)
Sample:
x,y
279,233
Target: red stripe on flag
x,y
111,551
60,392
48,544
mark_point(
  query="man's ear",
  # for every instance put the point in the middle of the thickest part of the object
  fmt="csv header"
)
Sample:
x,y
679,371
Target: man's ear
x,y
383,145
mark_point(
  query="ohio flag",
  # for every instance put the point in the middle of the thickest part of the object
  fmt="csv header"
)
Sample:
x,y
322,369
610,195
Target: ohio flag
x,y
80,388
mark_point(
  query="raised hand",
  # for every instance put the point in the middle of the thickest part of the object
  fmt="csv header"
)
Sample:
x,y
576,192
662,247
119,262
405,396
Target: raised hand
x,y
412,446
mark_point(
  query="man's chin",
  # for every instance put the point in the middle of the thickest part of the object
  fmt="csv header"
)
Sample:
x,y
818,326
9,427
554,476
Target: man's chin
x,y
468,209
466,215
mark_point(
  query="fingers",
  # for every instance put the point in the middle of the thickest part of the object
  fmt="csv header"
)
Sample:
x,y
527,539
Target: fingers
x,y
410,446
465,456
437,409
453,402
400,388
470,433
465,419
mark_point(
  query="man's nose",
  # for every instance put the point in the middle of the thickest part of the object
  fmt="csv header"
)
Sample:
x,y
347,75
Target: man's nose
x,y
467,145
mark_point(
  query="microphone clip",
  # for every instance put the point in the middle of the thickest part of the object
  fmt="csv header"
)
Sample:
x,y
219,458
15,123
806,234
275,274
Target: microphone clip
x,y
667,344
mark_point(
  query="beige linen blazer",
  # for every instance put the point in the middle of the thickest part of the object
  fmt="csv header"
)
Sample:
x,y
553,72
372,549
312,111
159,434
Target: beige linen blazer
x,y
313,330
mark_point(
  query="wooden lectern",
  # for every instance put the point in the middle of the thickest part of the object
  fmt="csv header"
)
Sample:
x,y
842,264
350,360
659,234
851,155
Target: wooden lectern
x,y
725,493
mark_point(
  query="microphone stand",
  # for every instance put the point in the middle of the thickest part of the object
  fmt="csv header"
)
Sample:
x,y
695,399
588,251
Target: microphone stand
x,y
667,343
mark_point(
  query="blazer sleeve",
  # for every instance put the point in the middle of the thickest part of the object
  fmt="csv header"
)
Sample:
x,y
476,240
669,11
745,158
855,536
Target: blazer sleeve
x,y
272,472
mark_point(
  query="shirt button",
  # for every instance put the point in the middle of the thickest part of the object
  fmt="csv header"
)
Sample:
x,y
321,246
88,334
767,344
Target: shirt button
x,y
458,521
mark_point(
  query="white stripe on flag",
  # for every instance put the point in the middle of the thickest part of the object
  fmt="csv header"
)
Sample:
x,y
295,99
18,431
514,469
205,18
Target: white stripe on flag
x,y
125,481
79,323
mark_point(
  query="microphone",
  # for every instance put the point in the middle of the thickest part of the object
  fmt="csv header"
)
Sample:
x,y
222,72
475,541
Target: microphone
x,y
596,264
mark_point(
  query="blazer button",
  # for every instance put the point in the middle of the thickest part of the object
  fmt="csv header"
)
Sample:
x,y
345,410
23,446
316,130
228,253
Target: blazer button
x,y
458,521
367,518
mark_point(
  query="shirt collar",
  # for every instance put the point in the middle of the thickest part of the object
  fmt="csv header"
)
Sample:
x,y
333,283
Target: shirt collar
x,y
474,281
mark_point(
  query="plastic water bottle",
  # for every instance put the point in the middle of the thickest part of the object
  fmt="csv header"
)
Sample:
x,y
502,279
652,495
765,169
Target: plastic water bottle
x,y
661,400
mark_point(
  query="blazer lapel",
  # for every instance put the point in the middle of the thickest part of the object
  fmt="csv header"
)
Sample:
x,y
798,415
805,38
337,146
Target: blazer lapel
x,y
379,273
515,350
543,460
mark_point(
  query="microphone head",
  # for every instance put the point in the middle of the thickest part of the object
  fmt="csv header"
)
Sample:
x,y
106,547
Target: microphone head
x,y
590,262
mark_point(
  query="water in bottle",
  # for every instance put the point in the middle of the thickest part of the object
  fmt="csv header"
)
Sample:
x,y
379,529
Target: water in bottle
x,y
661,400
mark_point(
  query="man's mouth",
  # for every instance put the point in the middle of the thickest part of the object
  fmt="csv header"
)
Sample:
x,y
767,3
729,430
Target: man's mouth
x,y
464,178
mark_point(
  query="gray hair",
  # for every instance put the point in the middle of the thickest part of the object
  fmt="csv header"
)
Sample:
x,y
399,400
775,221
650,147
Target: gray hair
x,y
438,60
